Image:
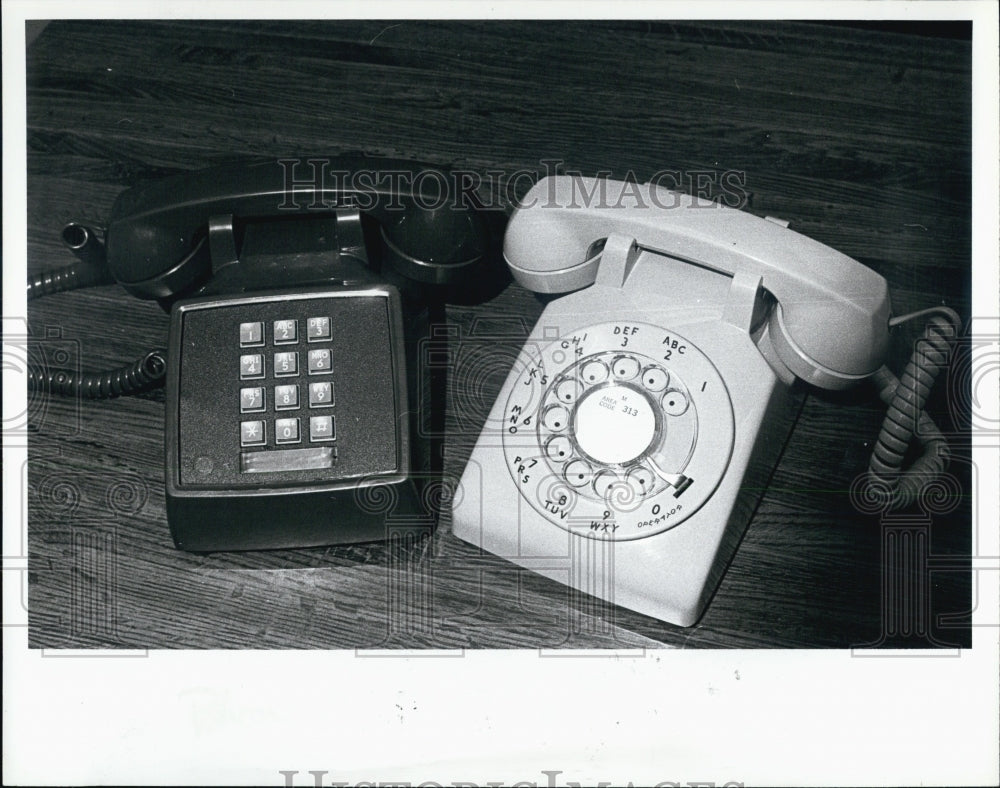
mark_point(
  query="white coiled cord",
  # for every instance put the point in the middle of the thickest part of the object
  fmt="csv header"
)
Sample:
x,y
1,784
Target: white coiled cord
x,y
905,419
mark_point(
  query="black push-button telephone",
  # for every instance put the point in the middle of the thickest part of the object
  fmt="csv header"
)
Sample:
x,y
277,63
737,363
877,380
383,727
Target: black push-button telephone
x,y
293,417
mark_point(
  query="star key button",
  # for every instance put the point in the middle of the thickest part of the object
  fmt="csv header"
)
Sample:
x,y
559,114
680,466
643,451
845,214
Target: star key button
x,y
252,433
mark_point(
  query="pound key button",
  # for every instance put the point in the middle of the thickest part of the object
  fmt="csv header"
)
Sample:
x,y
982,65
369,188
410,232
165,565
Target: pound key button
x,y
322,428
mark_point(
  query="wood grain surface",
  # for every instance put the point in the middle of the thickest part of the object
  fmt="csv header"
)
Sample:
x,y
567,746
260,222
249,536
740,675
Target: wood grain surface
x,y
860,137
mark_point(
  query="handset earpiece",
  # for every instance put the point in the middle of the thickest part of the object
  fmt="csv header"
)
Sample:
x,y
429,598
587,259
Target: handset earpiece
x,y
435,246
812,353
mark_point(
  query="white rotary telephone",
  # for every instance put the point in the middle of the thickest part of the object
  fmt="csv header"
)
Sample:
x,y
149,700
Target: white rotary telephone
x,y
636,432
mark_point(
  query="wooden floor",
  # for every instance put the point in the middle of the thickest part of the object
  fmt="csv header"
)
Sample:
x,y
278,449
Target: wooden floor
x,y
861,138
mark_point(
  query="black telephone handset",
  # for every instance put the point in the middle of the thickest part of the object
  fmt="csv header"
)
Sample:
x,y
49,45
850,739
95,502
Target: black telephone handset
x,y
197,231
293,417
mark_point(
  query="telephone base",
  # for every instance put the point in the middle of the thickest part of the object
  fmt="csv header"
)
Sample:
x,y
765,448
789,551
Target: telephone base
x,y
671,575
210,523
293,419
626,453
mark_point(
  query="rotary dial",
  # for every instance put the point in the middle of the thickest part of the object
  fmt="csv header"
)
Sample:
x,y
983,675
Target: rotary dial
x,y
618,443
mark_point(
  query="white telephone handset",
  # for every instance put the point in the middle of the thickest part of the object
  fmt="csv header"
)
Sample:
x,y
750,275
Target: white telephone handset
x,y
636,432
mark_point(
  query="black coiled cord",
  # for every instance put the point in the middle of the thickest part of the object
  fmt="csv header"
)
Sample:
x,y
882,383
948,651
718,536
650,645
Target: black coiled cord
x,y
906,419
69,277
145,374
142,375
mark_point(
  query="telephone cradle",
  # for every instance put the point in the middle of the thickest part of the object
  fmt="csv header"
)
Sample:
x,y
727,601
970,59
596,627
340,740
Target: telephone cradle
x,y
637,430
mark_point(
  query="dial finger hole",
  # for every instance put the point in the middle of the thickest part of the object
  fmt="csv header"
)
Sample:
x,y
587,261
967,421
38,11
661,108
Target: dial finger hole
x,y
655,378
641,480
577,473
568,390
594,372
603,481
559,449
625,367
674,402
556,418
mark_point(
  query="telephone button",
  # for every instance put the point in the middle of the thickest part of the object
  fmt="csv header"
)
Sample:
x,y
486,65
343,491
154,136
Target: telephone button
x,y
655,379
674,402
319,362
568,390
252,433
594,372
286,332
286,431
322,428
556,418
320,395
286,397
577,473
625,367
559,449
251,334
318,329
286,364
251,400
251,366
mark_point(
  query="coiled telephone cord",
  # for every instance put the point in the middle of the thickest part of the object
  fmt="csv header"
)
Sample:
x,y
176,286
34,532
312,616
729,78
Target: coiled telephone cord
x,y
906,418
69,277
142,375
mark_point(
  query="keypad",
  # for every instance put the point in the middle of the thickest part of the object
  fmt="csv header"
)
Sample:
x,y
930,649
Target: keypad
x,y
243,398
280,429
